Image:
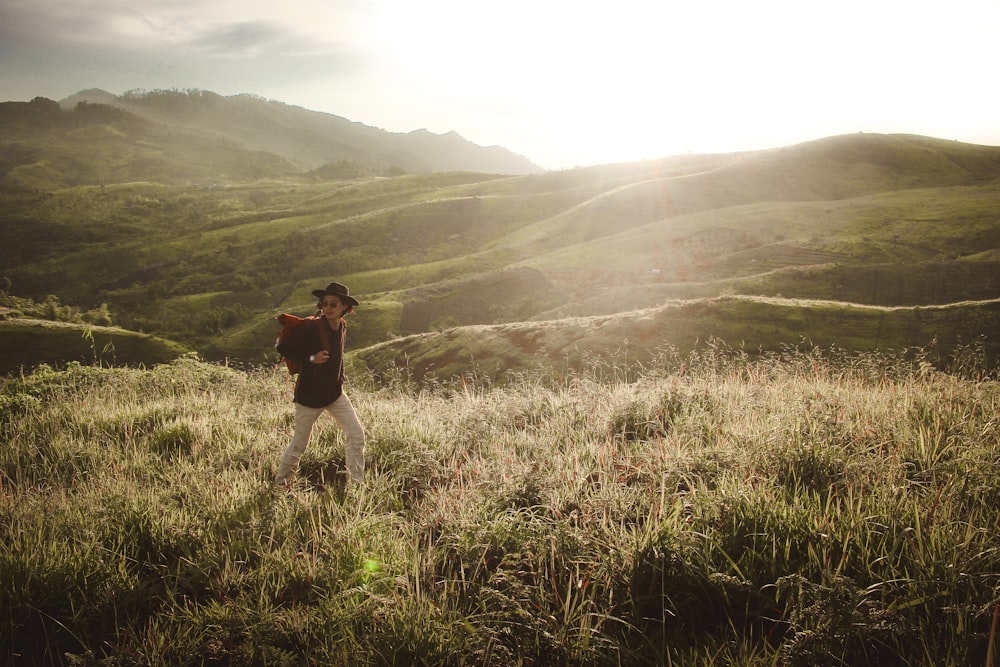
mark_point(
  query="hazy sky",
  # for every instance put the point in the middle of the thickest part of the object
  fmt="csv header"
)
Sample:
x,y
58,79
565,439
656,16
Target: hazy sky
x,y
563,82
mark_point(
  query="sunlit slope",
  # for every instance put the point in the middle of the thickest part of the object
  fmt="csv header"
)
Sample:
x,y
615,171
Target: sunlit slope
x,y
837,168
866,250
755,325
842,217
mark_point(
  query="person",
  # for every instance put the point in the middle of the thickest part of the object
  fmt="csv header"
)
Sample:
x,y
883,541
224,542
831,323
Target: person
x,y
319,346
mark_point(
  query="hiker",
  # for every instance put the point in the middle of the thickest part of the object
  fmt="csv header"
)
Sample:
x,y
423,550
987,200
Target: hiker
x,y
318,346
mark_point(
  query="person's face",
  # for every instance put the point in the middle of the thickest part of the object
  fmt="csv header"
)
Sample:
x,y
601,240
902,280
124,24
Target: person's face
x,y
332,307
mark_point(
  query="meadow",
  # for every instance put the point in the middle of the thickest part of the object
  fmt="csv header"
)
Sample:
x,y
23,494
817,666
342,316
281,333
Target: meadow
x,y
808,507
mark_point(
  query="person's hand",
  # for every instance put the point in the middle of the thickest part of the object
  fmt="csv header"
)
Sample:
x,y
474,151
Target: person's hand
x,y
320,357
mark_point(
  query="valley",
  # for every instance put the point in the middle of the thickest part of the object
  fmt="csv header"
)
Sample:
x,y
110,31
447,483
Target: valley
x,y
898,222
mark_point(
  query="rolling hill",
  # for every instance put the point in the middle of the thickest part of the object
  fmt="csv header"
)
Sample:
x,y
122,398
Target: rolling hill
x,y
866,242
949,335
30,342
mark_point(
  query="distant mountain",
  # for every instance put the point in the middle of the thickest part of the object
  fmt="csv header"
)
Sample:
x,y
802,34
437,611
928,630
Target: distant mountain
x,y
309,139
89,96
44,148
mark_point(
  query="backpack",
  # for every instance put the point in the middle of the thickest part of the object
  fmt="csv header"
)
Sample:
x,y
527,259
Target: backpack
x,y
290,323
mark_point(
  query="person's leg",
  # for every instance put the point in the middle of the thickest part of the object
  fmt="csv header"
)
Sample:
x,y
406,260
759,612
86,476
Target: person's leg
x,y
354,436
304,420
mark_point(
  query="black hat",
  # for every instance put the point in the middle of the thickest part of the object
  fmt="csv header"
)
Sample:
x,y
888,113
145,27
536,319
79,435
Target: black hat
x,y
338,290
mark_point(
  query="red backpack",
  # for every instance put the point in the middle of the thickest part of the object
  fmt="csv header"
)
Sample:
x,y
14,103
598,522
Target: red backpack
x,y
290,323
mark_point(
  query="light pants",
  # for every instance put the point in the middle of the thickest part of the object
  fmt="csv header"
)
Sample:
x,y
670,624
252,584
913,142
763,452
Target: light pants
x,y
343,411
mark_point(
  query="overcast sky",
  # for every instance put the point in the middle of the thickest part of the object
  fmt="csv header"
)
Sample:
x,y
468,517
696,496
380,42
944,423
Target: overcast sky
x,y
562,82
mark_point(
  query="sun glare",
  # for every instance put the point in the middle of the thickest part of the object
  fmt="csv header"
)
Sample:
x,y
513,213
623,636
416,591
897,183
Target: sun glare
x,y
554,80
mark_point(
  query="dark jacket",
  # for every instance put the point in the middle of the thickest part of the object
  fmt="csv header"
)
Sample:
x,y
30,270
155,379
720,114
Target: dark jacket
x,y
318,385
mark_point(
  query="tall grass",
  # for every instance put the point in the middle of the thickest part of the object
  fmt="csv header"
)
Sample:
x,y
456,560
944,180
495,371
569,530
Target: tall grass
x,y
805,509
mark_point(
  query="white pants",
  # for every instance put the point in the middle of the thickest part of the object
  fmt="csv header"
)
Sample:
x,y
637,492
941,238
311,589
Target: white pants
x,y
343,411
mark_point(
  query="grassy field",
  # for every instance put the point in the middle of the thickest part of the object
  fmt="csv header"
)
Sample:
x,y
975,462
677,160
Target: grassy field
x,y
803,508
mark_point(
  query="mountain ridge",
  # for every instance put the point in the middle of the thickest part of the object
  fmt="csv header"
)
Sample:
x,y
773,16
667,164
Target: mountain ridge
x,y
309,138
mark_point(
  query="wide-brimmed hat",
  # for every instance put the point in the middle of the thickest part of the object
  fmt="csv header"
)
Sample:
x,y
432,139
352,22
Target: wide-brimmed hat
x,y
338,290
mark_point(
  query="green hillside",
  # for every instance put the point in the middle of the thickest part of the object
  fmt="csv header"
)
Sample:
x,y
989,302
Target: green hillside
x,y
26,343
876,220
753,326
47,148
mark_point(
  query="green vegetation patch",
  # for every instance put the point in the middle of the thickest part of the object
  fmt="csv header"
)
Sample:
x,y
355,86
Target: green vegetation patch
x,y
25,344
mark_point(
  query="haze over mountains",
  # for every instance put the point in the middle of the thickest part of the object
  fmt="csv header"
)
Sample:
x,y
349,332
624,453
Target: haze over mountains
x,y
198,218
307,140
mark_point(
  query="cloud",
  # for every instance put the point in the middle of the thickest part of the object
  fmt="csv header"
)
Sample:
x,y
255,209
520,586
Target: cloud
x,y
156,44
152,24
239,39
258,38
